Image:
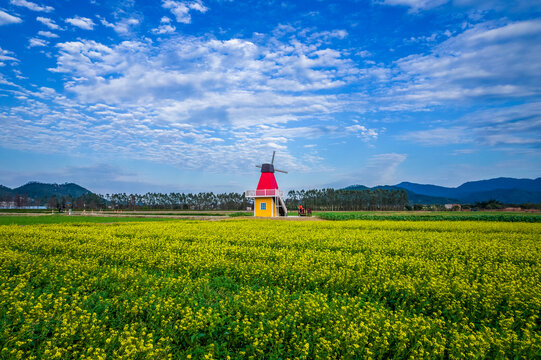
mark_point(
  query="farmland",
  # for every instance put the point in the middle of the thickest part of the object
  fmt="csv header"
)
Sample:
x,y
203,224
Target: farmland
x,y
63,219
110,218
432,216
246,288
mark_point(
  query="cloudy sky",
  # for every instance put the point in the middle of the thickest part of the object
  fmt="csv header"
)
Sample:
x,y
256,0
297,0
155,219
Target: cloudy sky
x,y
136,96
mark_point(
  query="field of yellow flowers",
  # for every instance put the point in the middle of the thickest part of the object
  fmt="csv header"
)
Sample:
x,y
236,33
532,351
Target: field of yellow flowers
x,y
252,289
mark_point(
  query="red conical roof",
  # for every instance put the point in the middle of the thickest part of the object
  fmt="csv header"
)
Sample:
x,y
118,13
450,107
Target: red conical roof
x,y
267,181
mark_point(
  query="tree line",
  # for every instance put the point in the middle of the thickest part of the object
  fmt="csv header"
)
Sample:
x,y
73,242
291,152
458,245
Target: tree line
x,y
86,201
179,201
348,200
123,201
322,199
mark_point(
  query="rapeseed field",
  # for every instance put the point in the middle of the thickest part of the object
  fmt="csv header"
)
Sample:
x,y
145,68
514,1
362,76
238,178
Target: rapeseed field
x,y
258,289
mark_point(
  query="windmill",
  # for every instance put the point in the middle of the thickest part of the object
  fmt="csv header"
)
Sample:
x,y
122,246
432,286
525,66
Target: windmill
x,y
268,199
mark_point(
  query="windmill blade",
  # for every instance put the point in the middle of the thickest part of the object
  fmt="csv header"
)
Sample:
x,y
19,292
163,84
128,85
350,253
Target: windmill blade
x,y
282,171
258,166
273,153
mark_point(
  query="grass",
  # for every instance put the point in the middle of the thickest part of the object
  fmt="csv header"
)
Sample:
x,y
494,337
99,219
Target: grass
x,y
173,213
241,213
234,214
63,219
432,216
360,215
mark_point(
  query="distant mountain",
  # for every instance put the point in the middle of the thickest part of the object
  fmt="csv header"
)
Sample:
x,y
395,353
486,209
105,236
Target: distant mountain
x,y
36,190
429,190
357,187
505,190
413,197
4,190
500,184
533,185
506,196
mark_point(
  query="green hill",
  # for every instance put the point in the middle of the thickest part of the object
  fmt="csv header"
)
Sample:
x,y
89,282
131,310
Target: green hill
x,y
4,190
35,190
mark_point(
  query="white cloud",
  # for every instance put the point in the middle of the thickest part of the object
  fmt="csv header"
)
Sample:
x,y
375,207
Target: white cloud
x,y
485,61
327,35
463,152
439,136
47,34
122,27
415,4
32,6
475,9
37,42
364,53
382,168
514,125
6,18
49,23
81,22
186,100
184,69
379,169
4,81
181,9
6,55
164,29
507,32
361,132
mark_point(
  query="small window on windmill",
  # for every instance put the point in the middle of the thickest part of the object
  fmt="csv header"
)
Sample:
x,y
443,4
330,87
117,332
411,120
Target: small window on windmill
x,y
263,206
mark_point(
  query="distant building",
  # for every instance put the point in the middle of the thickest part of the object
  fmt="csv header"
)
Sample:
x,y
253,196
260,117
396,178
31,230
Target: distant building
x,y
12,205
455,207
7,205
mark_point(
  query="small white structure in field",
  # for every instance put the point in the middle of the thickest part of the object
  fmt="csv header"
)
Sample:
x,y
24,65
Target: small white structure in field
x,y
457,207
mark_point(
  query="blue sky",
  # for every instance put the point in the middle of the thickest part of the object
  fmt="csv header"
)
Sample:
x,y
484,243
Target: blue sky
x,y
137,96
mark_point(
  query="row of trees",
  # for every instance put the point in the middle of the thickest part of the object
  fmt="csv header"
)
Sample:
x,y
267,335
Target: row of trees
x,y
318,199
179,201
498,205
348,200
123,201
86,201
20,200
324,199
